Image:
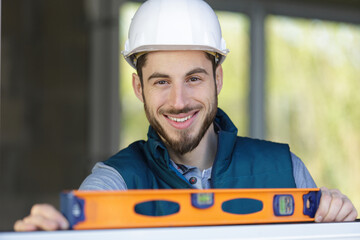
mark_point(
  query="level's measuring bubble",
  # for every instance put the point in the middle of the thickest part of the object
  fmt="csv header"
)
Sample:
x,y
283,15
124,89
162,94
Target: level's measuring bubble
x,y
76,210
202,200
283,205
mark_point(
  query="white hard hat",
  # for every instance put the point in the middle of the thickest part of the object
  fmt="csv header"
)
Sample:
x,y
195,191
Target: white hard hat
x,y
174,25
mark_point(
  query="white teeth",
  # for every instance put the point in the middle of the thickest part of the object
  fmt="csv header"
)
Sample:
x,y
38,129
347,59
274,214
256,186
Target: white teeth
x,y
179,119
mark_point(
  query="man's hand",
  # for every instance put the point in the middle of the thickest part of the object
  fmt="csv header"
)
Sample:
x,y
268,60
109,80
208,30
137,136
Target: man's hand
x,y
335,207
42,217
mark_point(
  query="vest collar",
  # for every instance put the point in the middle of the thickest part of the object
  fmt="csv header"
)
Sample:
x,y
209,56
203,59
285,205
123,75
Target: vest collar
x,y
226,136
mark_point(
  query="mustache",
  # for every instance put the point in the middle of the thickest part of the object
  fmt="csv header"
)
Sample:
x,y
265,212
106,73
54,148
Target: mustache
x,y
178,111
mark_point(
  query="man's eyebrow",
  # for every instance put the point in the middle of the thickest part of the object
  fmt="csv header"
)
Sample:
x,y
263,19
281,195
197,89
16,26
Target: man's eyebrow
x,y
162,75
158,75
197,70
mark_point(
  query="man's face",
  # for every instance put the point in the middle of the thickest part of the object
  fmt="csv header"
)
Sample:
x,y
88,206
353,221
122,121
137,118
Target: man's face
x,y
180,96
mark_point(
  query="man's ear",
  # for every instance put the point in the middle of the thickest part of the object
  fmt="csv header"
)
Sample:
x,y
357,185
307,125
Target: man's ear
x,y
219,78
137,87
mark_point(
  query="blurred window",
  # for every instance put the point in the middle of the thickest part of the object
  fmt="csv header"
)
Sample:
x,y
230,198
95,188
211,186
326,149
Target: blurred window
x,y
313,83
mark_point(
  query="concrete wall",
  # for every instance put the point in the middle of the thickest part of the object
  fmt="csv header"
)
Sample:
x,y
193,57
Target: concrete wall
x,y
44,103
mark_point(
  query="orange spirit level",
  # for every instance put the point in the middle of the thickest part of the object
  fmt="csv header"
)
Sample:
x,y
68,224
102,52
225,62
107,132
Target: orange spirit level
x,y
164,208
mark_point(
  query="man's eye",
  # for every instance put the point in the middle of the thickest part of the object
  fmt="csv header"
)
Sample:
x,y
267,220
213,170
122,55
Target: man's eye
x,y
161,82
194,79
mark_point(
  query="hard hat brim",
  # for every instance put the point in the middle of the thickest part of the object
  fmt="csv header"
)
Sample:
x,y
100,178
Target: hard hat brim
x,y
154,48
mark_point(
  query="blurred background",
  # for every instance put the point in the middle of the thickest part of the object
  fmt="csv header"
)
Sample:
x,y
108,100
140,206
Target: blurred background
x,y
292,76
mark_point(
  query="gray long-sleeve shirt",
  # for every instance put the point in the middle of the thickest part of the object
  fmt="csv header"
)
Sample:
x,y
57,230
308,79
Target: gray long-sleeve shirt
x,y
104,177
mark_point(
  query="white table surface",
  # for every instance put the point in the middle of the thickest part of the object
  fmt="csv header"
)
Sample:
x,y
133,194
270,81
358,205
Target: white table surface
x,y
262,231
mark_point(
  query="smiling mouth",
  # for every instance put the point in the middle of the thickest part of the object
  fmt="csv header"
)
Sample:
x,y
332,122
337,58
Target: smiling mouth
x,y
180,119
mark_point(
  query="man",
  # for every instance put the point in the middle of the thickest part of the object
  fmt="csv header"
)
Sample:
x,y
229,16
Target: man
x,y
177,50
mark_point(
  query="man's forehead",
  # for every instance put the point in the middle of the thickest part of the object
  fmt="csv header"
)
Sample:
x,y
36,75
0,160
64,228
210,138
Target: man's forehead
x,y
179,60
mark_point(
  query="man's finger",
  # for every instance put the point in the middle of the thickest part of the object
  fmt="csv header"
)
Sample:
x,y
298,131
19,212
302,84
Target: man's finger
x,y
337,201
352,216
42,223
346,209
21,226
324,205
49,212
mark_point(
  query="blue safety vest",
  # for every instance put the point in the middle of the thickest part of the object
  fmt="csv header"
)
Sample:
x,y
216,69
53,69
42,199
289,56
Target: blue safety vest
x,y
240,162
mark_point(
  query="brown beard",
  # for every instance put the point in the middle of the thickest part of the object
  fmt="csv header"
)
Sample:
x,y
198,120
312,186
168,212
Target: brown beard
x,y
185,143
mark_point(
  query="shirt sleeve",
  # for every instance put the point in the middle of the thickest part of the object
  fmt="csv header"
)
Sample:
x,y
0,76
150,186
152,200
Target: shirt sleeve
x,y
302,176
103,177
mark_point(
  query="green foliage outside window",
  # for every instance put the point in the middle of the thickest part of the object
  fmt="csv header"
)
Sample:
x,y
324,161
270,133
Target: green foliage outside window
x,y
313,70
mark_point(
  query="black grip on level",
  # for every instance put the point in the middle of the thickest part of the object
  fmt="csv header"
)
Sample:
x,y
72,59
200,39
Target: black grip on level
x,y
311,203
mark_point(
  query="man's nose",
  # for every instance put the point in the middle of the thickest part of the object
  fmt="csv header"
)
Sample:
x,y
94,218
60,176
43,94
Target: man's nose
x,y
178,96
